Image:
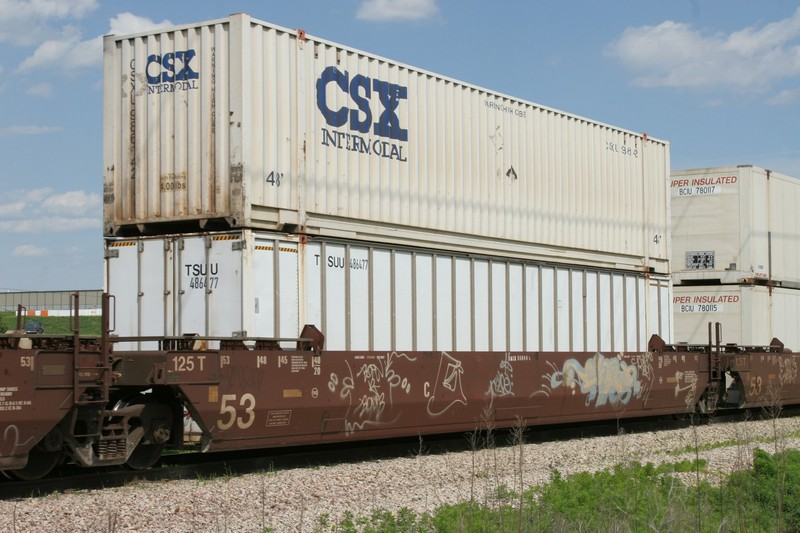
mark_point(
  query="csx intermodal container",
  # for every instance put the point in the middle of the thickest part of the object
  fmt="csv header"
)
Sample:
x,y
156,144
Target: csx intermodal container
x,y
236,123
366,296
750,314
734,225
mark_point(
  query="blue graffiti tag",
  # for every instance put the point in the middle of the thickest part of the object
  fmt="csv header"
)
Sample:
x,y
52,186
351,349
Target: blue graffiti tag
x,y
601,379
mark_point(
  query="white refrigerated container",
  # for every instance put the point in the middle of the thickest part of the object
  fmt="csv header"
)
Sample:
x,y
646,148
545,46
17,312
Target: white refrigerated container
x,y
735,224
749,314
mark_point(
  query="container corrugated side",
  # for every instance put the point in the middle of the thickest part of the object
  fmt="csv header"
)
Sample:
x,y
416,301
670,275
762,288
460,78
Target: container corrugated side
x,y
238,123
735,224
749,314
784,230
376,297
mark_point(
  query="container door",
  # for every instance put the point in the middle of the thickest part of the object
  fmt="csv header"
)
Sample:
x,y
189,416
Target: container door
x,y
276,290
191,273
122,282
139,276
288,299
221,282
155,287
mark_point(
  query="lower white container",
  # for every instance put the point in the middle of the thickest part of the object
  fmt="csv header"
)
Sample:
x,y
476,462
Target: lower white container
x,y
376,297
749,314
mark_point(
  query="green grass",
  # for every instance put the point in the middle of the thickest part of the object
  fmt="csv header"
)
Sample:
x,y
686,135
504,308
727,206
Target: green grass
x,y
53,325
630,497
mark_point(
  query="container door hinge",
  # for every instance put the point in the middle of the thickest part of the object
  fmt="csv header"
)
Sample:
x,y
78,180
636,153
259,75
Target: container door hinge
x,y
111,254
237,245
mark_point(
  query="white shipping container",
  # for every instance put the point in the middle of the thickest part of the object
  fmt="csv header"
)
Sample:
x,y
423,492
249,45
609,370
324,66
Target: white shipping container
x,y
376,297
734,225
236,123
750,314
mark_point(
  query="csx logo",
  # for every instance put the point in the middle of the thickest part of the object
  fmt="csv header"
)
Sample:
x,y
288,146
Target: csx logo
x,y
171,67
360,90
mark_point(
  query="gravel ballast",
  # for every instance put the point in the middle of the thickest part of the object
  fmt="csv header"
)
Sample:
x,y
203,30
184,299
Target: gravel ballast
x,y
293,500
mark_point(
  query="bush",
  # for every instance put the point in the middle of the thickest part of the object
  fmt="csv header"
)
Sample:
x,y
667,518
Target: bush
x,y
766,497
632,497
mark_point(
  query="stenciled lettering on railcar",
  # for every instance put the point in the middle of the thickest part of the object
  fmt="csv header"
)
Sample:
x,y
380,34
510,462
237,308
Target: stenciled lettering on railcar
x,y
334,261
348,106
701,186
507,109
631,151
9,403
202,276
171,72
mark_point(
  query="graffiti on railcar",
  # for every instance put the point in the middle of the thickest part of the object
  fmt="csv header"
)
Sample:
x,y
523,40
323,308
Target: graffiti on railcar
x,y
788,369
686,382
644,362
370,391
11,441
447,390
503,382
602,379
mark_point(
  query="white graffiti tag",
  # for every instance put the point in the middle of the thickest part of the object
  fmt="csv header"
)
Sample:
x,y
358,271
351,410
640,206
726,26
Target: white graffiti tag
x,y
644,362
447,390
603,380
503,382
689,379
370,391
11,441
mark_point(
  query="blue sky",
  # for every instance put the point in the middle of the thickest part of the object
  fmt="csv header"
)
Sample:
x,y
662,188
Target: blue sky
x,y
719,79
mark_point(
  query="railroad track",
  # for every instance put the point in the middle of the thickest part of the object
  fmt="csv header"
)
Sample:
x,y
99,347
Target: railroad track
x,y
198,466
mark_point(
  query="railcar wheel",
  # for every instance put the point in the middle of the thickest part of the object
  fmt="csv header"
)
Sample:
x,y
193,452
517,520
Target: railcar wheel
x,y
145,456
156,420
40,463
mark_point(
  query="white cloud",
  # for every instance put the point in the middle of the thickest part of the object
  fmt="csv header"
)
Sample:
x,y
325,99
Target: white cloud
x,y
14,209
72,202
68,51
784,97
45,90
675,54
389,10
25,9
50,224
714,102
126,23
46,211
26,22
29,250
27,130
